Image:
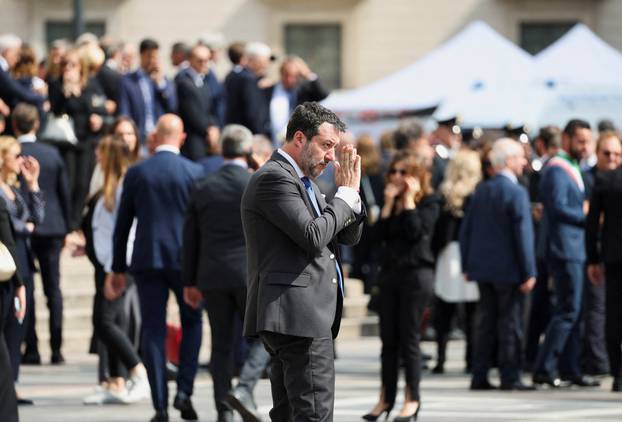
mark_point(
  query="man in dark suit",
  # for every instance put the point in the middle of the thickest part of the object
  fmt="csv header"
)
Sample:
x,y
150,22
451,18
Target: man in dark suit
x,y
298,85
214,268
195,105
595,360
606,203
295,282
498,223
562,192
155,193
603,243
48,237
246,103
146,94
12,92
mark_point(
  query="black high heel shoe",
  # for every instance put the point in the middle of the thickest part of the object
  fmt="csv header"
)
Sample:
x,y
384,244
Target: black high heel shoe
x,y
409,418
371,417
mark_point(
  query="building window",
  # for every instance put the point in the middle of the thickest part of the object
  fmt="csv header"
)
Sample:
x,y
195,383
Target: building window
x,y
55,30
536,36
320,47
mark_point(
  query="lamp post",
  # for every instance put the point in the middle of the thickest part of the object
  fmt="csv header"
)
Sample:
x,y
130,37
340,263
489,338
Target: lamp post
x,y
78,19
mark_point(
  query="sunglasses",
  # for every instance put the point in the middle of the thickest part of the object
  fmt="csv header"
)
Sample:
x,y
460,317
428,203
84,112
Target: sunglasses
x,y
394,171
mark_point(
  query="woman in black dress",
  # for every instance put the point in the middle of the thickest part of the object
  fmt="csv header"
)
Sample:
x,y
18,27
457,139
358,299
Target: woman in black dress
x,y
405,228
79,95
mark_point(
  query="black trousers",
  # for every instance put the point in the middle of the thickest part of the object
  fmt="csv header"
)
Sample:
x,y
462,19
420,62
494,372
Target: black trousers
x,y
111,326
613,319
47,250
8,399
302,377
499,313
595,359
80,162
403,298
539,314
443,316
223,308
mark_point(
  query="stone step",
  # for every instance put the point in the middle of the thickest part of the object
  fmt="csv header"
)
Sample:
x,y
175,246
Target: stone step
x,y
357,327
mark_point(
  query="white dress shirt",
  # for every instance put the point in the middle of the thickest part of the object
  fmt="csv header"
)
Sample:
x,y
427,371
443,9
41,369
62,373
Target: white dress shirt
x,y
348,195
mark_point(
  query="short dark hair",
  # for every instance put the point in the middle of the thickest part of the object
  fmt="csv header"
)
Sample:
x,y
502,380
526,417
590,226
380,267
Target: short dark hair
x,y
25,118
551,136
181,47
406,132
148,44
235,52
308,117
575,124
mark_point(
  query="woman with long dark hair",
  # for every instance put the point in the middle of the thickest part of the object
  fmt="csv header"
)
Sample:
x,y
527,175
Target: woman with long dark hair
x,y
406,279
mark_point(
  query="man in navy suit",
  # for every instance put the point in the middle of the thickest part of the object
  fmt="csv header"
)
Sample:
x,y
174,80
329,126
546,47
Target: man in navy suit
x,y
497,249
246,103
146,94
195,105
47,238
563,196
11,92
155,193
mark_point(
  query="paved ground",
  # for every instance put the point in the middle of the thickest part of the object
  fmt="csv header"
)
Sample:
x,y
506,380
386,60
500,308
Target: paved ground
x,y
58,392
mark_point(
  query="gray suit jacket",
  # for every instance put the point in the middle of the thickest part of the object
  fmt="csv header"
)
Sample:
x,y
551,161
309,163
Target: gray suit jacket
x,y
292,279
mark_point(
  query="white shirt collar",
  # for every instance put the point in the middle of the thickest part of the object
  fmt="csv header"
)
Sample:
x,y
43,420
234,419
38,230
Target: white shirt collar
x,y
4,64
197,78
167,148
292,162
509,174
241,162
27,138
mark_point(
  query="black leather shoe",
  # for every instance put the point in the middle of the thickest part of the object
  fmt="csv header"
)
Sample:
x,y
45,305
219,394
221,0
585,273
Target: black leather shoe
x,y
584,381
160,416
540,379
517,386
616,387
438,369
372,418
225,416
24,402
484,385
31,358
57,358
183,403
240,400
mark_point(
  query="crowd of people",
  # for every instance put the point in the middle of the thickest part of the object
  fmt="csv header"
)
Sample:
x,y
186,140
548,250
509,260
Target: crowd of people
x,y
163,184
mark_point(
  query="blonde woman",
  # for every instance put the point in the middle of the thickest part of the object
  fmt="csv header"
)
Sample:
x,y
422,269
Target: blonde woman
x,y
109,317
79,95
462,175
26,209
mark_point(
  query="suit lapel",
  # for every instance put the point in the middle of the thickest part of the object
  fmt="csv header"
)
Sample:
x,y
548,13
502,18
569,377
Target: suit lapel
x,y
292,172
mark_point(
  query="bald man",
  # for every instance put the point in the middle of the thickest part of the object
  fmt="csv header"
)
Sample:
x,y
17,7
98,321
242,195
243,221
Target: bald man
x,y
155,193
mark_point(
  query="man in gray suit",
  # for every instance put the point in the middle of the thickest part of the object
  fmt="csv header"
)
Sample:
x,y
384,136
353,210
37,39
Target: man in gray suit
x,y
295,285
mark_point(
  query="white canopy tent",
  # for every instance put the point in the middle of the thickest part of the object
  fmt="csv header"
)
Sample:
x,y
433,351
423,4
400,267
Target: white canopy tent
x,y
476,57
535,105
579,57
577,76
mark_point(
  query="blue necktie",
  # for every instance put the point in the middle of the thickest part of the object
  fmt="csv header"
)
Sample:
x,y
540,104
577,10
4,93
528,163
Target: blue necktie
x,y
316,206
